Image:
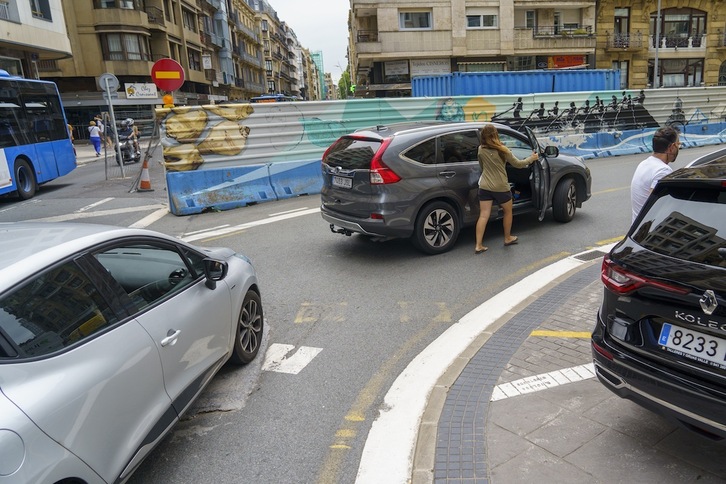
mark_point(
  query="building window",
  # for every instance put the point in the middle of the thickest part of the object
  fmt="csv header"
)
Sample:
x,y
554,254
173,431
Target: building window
x,y
270,86
126,4
118,47
481,22
190,22
414,20
530,19
722,75
265,28
4,10
40,9
174,51
678,25
622,66
195,59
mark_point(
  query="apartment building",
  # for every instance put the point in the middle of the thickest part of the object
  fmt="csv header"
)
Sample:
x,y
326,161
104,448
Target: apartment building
x,y
392,42
33,33
682,44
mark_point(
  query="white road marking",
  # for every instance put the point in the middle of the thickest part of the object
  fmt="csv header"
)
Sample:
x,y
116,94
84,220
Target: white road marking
x,y
542,382
256,223
277,359
288,211
150,219
96,204
207,230
100,213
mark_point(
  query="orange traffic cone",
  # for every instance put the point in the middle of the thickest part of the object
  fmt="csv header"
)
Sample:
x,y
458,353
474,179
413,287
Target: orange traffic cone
x,y
145,181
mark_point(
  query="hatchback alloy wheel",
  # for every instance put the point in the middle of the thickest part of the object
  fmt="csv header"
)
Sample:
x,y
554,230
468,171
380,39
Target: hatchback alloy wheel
x,y
249,329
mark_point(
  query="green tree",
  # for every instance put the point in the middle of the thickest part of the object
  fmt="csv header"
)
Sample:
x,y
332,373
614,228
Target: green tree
x,y
344,85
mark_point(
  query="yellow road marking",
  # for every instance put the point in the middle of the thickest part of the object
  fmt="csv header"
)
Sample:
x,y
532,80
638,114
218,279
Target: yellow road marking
x,y
561,334
331,468
609,190
610,241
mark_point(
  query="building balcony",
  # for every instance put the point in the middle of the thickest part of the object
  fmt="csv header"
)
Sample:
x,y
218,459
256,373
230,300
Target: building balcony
x,y
248,32
210,75
624,42
156,18
251,59
427,42
557,31
117,18
367,36
254,87
676,43
206,39
529,40
239,83
214,3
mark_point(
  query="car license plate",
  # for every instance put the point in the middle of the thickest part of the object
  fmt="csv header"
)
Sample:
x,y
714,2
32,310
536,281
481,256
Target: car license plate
x,y
694,345
342,182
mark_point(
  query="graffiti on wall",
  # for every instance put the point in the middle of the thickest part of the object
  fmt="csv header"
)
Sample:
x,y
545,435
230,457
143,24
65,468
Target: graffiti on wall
x,y
233,154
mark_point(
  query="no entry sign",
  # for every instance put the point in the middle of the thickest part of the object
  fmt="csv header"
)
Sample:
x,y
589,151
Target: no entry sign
x,y
167,74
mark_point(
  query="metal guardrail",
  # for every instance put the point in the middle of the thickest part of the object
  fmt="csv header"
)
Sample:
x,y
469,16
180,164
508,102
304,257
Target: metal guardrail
x,y
367,36
624,41
554,30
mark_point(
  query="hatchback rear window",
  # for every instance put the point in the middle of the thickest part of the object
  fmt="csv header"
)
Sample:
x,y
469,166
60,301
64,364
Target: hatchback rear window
x,y
688,223
352,153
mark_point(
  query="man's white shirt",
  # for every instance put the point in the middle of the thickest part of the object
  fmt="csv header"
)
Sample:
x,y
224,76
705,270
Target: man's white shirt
x,y
646,176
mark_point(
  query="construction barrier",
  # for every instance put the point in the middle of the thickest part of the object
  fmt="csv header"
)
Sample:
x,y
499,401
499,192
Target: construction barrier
x,y
232,155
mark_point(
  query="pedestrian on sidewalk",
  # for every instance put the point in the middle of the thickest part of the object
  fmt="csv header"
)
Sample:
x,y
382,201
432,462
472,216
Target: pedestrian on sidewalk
x,y
95,135
493,184
666,146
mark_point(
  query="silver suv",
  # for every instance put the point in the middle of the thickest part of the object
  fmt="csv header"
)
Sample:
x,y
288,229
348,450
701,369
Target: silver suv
x,y
420,180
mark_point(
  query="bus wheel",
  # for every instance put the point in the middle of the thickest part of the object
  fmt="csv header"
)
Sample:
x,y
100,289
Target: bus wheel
x,y
24,180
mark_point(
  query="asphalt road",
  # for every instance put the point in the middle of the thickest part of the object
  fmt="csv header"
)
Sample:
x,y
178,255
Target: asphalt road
x,y
350,313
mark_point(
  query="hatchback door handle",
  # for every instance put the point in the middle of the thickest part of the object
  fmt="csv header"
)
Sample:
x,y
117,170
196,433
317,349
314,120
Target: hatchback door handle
x,y
447,174
171,337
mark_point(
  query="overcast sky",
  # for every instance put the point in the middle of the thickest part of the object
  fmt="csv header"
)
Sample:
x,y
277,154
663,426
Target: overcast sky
x,y
319,25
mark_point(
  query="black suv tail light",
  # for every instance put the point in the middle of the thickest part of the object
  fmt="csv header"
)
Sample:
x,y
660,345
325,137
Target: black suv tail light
x,y
380,173
623,282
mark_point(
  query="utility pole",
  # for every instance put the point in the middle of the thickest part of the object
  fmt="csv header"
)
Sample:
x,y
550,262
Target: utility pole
x,y
656,73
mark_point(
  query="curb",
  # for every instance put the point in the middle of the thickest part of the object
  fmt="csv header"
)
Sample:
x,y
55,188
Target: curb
x,y
405,431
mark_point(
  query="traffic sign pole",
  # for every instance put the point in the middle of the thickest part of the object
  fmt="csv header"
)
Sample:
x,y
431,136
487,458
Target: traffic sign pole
x,y
115,130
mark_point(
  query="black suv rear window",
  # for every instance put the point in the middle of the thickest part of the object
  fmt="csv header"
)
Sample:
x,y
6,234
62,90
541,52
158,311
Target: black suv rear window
x,y
352,153
688,223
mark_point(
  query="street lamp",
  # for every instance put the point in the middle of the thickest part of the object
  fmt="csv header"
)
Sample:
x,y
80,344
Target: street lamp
x,y
656,73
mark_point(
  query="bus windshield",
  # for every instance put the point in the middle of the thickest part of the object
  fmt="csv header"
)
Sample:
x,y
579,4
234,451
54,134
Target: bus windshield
x,y
35,145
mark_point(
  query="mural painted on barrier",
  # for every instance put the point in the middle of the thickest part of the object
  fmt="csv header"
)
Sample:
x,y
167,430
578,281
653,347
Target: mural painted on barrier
x,y
250,153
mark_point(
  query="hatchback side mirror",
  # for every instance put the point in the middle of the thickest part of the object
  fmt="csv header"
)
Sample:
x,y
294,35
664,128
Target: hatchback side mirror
x,y
552,151
214,270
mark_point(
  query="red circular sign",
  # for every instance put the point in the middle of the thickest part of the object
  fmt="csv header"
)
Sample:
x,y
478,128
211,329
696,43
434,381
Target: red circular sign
x,y
167,74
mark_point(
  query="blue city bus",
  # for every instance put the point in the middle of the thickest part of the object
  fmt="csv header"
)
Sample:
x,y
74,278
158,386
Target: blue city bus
x,y
35,145
273,98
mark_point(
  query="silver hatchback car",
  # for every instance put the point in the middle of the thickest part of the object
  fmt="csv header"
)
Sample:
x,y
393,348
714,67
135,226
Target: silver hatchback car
x,y
418,180
107,335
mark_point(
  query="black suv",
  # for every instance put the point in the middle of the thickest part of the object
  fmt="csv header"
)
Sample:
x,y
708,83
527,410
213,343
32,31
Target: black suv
x,y
420,180
660,337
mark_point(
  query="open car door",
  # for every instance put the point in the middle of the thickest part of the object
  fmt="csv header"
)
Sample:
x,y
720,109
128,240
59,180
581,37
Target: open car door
x,y
540,177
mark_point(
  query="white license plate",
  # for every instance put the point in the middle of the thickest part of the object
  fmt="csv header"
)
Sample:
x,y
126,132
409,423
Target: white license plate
x,y
694,345
342,182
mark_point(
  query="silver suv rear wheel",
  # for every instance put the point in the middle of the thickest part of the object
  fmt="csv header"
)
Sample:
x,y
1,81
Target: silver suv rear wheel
x,y
437,228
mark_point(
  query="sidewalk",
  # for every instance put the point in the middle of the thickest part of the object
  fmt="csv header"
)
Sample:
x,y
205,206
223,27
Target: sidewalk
x,y
521,403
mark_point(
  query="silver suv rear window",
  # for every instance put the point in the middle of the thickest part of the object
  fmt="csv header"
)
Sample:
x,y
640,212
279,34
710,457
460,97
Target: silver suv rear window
x,y
687,223
352,153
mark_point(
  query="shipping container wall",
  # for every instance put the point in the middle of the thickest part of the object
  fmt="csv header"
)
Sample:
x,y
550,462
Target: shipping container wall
x,y
520,82
231,155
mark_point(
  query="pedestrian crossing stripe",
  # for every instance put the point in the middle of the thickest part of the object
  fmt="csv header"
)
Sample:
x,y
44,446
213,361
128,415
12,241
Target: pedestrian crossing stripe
x,y
543,381
282,358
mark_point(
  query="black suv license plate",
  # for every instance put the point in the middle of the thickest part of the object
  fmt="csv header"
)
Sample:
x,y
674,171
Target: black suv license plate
x,y
693,345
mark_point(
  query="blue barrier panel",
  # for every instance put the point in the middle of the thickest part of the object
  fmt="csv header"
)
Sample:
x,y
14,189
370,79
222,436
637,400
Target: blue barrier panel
x,y
294,178
193,192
